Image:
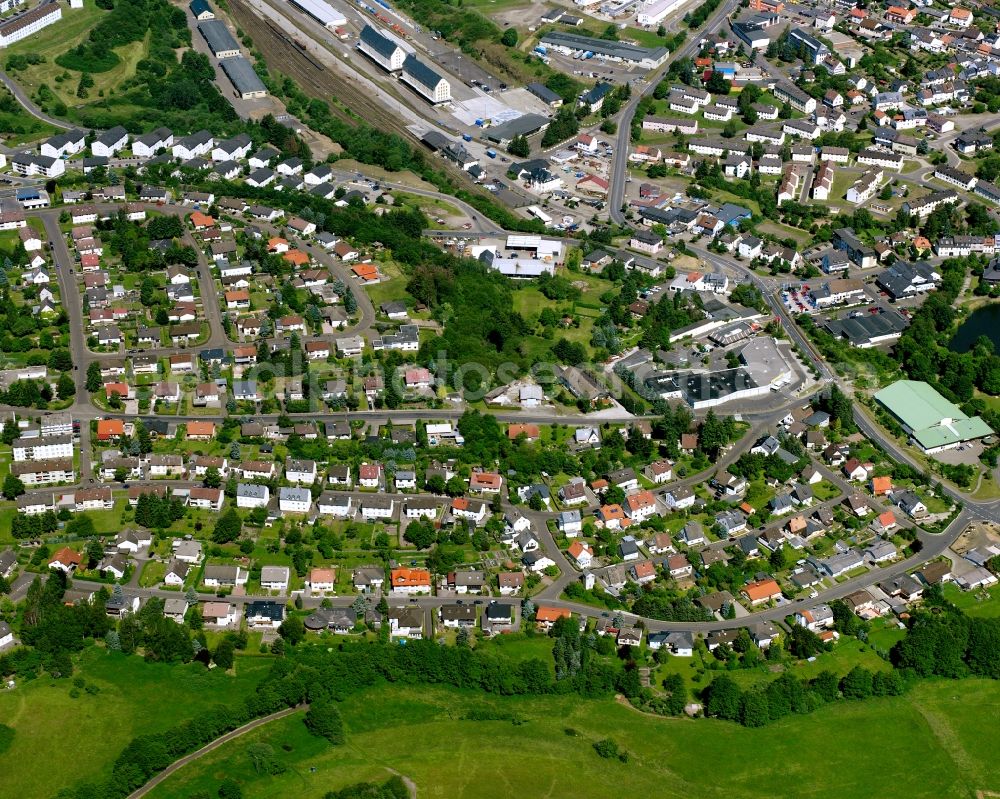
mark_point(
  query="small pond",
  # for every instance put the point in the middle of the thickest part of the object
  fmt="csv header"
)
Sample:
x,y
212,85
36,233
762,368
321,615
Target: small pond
x,y
983,321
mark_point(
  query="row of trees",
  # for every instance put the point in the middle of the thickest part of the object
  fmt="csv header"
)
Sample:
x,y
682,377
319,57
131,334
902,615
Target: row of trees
x,y
944,642
788,695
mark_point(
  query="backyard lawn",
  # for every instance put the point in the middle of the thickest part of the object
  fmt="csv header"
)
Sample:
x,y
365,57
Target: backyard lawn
x,y
985,604
152,574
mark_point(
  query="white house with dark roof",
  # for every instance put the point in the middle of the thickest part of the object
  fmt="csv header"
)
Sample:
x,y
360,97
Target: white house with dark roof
x,y
385,52
425,80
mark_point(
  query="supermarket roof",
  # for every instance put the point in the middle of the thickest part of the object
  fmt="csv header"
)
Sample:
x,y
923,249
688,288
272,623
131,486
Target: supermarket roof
x,y
934,421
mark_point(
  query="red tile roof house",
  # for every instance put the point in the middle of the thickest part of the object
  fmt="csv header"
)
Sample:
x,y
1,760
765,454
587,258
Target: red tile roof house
x,y
317,350
417,378
65,560
761,592
581,552
545,616
485,482
644,572
529,431
368,475
121,389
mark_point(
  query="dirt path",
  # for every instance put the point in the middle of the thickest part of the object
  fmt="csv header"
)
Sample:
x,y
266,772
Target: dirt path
x,y
229,736
411,786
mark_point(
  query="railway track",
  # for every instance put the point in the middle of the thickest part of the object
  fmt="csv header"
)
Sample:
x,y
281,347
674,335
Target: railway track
x,y
290,57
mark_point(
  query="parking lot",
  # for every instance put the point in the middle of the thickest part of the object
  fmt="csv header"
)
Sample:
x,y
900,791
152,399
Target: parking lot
x,y
468,71
592,68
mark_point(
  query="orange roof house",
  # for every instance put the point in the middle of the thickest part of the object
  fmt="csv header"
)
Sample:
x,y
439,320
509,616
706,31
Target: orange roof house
x,y
797,524
367,272
578,548
548,615
900,15
761,591
887,520
277,244
296,257
121,389
65,559
485,481
110,428
529,431
612,515
201,430
640,502
644,570
410,578
881,485
201,221
322,577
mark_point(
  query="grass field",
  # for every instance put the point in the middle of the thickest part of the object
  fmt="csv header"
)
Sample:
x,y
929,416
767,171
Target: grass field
x,y
984,604
152,574
72,29
82,736
934,742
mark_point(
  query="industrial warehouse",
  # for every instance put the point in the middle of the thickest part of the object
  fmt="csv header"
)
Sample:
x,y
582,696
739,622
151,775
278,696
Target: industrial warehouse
x,y
933,423
571,43
325,14
220,41
241,74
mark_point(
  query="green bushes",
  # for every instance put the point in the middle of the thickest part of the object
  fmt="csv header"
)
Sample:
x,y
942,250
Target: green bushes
x,y
6,737
609,750
93,58
323,720
701,13
787,695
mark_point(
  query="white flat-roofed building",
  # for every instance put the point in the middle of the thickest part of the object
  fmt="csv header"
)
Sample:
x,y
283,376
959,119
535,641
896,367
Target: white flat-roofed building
x,y
324,13
653,13
40,449
542,249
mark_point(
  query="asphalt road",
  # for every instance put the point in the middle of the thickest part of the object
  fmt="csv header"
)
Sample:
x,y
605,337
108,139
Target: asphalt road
x,y
14,88
619,166
933,545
